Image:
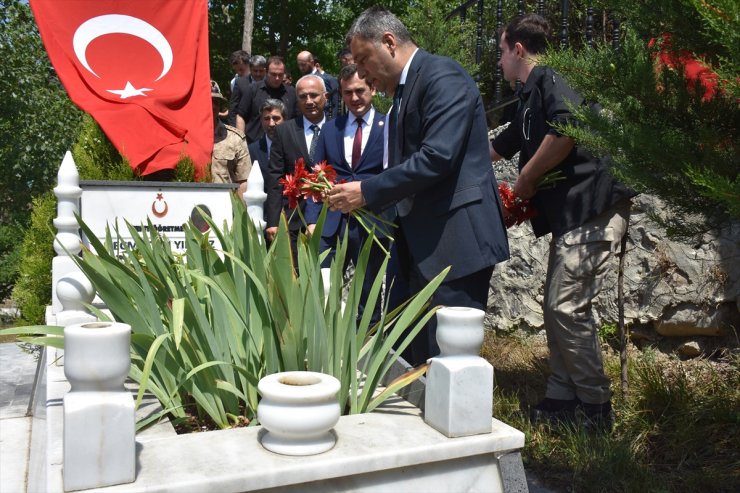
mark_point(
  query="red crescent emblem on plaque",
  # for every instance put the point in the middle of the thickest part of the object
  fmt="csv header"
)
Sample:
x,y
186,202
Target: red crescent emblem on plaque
x,y
154,207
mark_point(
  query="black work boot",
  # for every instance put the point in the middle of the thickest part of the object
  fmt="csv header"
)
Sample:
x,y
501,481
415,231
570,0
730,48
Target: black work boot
x,y
596,417
554,411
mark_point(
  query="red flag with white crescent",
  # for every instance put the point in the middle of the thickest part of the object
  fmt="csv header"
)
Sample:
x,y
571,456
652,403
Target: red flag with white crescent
x,y
140,68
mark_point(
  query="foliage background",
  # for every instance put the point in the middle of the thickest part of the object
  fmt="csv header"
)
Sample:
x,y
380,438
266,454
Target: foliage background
x,y
38,123
666,143
666,140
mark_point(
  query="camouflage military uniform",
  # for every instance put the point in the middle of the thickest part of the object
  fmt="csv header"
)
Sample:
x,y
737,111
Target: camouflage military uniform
x,y
230,162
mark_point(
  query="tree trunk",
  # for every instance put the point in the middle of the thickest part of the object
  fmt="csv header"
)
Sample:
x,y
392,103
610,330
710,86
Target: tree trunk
x,y
248,25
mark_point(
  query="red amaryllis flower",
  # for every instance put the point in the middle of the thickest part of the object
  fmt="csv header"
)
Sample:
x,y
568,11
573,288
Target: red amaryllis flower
x,y
291,189
519,209
314,185
300,169
324,170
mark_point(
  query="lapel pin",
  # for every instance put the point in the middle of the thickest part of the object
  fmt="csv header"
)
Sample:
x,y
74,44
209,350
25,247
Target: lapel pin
x,y
381,123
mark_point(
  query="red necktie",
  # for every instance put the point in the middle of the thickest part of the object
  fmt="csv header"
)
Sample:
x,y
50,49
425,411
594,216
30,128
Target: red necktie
x,y
357,144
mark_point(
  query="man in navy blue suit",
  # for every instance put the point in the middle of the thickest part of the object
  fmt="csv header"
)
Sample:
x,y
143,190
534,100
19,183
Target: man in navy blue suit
x,y
439,175
353,145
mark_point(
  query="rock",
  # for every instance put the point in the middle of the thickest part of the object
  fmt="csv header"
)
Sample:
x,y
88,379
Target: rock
x,y
681,289
689,349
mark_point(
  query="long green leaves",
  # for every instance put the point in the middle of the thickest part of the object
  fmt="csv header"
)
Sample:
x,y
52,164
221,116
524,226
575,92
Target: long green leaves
x,y
208,324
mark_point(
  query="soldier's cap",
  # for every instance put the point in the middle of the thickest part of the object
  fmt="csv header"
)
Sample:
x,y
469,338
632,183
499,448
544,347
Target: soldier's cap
x,y
216,92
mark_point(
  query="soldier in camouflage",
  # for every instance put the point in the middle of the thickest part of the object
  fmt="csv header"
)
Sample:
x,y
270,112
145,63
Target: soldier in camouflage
x,y
230,161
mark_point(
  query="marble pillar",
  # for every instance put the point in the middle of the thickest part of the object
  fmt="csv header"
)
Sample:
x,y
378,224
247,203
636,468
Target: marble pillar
x,y
459,392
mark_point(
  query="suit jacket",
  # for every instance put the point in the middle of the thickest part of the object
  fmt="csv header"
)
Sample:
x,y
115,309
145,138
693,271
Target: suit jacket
x,y
288,145
331,110
331,149
258,152
252,98
440,175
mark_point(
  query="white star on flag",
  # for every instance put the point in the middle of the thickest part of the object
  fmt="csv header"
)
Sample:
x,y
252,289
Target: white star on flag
x,y
129,91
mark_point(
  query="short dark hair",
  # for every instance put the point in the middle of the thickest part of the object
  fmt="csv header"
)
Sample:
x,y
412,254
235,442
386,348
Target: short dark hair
x,y
239,56
373,22
273,104
531,30
348,71
275,60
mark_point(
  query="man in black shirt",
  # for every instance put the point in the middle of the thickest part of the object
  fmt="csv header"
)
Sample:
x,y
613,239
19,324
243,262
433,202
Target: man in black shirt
x,y
271,87
587,213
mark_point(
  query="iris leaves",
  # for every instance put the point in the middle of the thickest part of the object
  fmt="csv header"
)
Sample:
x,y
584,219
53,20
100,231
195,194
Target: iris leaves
x,y
209,323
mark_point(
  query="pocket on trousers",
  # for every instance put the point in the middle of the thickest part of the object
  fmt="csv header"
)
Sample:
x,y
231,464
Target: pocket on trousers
x,y
584,235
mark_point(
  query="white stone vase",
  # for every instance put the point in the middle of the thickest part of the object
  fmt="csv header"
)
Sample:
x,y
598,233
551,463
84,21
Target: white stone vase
x,y
460,331
298,409
97,356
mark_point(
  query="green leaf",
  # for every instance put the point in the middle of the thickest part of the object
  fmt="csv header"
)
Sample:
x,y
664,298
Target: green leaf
x,y
178,314
148,366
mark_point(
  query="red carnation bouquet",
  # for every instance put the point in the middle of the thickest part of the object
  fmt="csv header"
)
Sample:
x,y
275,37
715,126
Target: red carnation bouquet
x,y
520,209
313,185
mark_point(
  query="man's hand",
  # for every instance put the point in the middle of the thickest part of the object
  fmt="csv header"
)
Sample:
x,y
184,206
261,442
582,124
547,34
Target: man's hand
x,y
345,197
309,229
270,233
242,189
524,187
552,151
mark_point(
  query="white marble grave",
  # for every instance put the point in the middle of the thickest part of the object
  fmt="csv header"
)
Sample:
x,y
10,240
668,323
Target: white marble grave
x,y
390,450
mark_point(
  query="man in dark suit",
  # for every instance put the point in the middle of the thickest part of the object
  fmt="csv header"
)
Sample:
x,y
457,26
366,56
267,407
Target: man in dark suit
x,y
308,64
439,173
353,145
272,114
253,95
295,139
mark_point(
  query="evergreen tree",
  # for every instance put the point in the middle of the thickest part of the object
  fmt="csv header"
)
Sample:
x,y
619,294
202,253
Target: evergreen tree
x,y
670,123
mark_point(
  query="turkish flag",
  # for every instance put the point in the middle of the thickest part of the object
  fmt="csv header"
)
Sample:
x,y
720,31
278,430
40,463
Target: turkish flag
x,y
140,68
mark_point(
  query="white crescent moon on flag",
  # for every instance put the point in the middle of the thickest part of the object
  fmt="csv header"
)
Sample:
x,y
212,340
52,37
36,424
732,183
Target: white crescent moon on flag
x,y
120,24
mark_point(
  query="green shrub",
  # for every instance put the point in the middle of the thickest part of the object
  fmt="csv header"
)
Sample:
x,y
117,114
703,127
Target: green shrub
x,y
95,156
11,237
32,290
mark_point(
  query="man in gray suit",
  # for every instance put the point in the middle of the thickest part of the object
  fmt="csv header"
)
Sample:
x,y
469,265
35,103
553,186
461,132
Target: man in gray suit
x,y
439,174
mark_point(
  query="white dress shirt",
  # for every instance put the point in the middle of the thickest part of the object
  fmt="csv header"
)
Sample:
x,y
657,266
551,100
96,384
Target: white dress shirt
x,y
351,128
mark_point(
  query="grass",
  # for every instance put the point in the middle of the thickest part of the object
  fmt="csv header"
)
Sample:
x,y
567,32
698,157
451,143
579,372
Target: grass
x,y
677,430
7,323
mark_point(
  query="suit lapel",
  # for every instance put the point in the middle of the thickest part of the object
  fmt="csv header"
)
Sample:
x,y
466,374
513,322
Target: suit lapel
x,y
408,91
300,138
341,126
376,133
